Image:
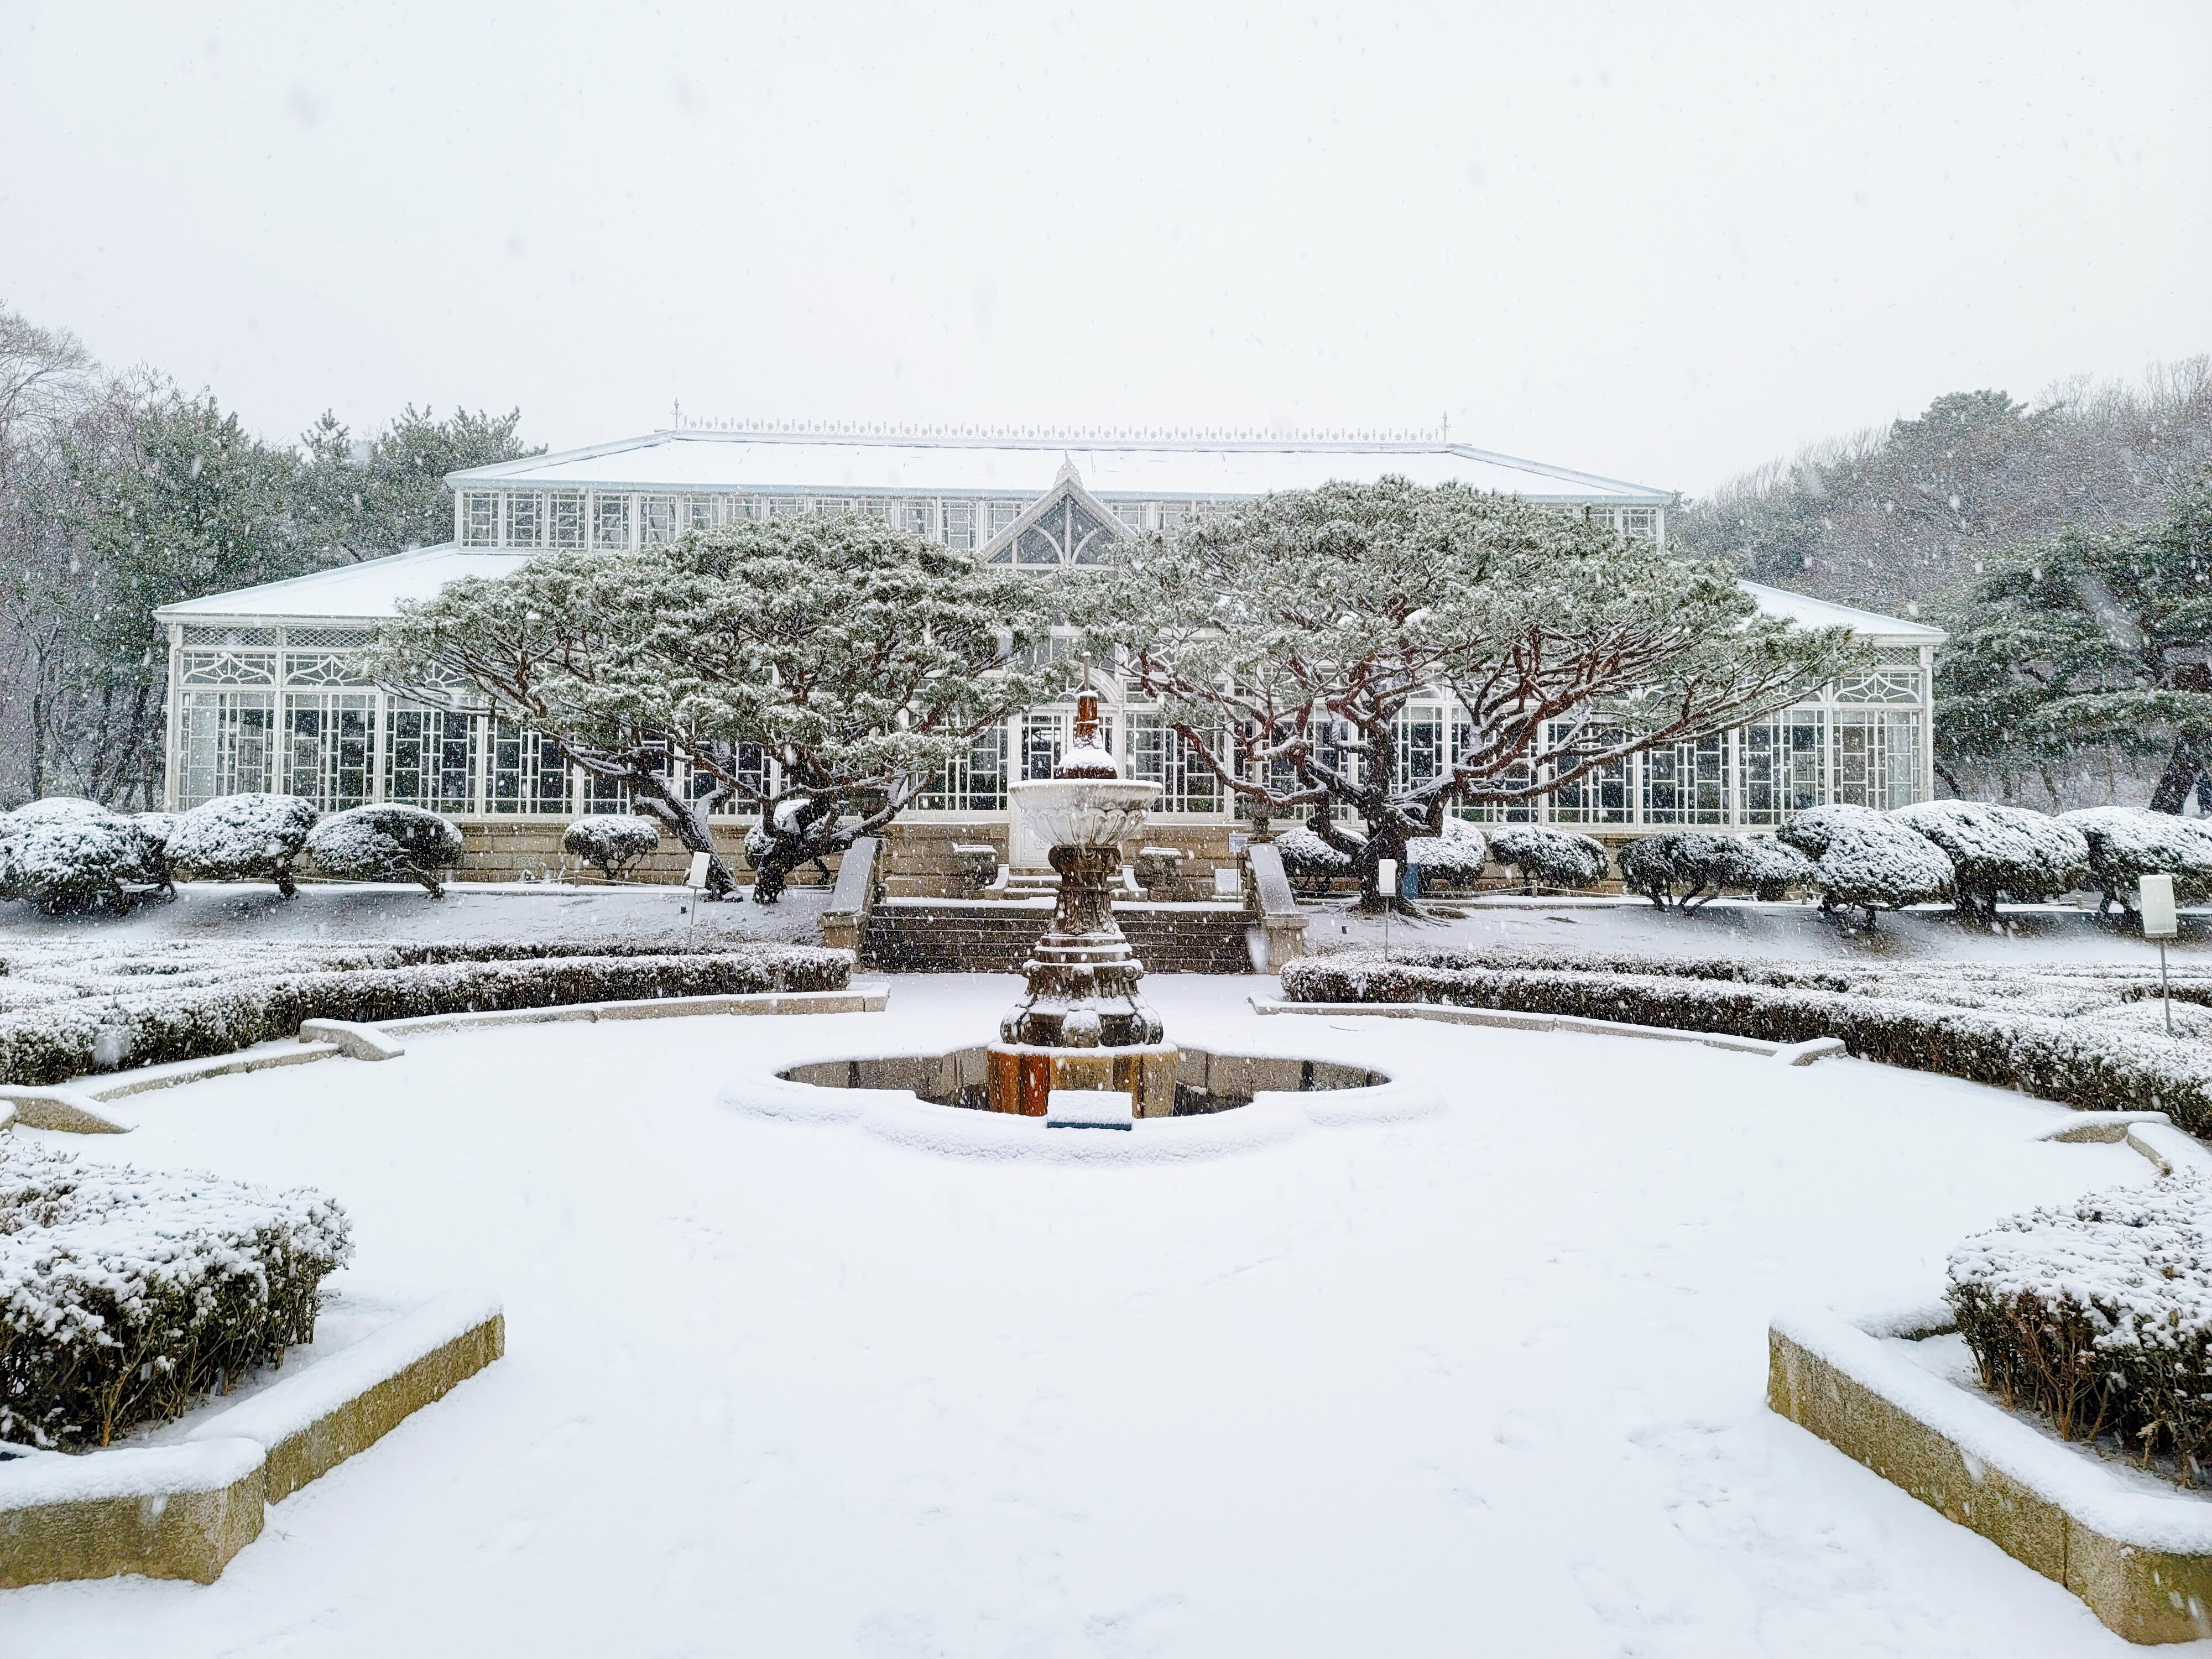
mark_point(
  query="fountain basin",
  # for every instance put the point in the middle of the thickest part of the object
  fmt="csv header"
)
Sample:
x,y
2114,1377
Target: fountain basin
x,y
1191,1082
1082,812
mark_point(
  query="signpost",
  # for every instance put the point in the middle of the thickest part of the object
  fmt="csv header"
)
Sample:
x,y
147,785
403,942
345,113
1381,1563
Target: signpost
x,y
695,886
1386,877
2154,901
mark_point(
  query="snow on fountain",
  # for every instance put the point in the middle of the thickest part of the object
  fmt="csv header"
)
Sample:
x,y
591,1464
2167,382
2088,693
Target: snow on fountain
x,y
1080,1025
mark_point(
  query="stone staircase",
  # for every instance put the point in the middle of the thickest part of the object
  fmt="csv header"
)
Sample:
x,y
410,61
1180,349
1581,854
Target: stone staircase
x,y
994,936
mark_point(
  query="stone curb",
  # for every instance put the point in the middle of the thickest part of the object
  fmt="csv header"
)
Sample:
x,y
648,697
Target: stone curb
x,y
184,1512
2142,1562
1789,1054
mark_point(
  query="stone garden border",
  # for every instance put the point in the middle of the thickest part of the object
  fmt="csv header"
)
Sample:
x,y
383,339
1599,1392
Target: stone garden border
x,y
1789,1054
2141,1561
82,1106
183,1510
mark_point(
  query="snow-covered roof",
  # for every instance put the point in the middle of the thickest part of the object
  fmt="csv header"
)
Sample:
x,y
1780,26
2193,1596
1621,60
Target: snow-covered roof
x,y
374,588
1146,469
1804,609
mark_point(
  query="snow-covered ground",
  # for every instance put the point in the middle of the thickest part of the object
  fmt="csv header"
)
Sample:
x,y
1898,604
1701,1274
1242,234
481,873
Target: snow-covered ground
x,y
1487,1382
2024,932
350,914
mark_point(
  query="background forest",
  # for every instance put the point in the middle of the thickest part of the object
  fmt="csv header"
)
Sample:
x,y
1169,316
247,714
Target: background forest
x,y
2066,544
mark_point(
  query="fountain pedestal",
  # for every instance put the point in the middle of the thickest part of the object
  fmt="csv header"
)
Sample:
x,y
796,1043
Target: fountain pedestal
x,y
1081,1024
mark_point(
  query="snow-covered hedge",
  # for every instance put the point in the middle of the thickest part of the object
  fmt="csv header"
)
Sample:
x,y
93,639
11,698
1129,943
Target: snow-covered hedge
x,y
1454,859
2078,1063
1311,862
386,843
1549,857
58,1040
1999,852
125,1294
65,854
2128,842
2099,1314
612,842
1761,865
1868,859
248,837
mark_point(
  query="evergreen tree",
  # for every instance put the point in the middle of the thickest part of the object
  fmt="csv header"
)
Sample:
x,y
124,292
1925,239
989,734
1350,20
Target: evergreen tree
x,y
1305,622
2093,639
387,493
822,669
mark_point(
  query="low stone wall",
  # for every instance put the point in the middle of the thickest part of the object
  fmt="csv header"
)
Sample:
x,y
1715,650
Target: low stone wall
x,y
529,849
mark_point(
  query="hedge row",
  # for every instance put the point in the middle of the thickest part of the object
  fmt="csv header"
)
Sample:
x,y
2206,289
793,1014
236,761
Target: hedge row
x,y
125,1296
2050,1058
59,1040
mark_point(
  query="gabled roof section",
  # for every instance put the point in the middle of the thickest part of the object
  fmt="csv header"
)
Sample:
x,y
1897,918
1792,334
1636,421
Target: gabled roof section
x,y
1115,468
1809,612
370,590
1066,488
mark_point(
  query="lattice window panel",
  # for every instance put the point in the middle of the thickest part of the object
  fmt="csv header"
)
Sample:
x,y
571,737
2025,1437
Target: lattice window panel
x,y
611,522
1420,745
1687,782
756,773
1159,754
564,518
228,668
656,518
322,668
480,517
526,773
701,512
1605,794
1886,685
525,519
430,759
918,518
1783,767
960,526
326,639
328,738
226,742
230,636
1877,759
1135,514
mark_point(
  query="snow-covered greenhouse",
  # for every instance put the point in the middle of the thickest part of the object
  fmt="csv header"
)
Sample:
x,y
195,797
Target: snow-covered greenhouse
x,y
265,690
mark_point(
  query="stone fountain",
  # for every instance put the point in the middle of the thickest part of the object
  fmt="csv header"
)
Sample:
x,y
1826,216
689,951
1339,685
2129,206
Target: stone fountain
x,y
1081,1024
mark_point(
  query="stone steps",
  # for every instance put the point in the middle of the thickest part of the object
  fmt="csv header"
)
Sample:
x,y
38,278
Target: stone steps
x,y
996,939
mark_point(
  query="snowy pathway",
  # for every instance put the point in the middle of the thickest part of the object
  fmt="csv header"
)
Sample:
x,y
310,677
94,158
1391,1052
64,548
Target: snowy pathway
x,y
1488,1383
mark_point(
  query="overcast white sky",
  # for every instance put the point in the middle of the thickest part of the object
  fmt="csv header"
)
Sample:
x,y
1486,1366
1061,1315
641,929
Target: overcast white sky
x,y
1658,242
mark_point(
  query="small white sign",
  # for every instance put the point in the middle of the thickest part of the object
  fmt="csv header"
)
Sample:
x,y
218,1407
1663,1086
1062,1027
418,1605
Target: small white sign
x,y
2155,895
696,877
1386,876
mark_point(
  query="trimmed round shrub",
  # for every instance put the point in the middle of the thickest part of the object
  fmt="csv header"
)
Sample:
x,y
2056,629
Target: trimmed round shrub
x,y
610,842
1762,866
126,1296
1549,857
2128,842
1454,859
65,855
1674,870
1311,862
1869,861
248,837
1999,852
386,843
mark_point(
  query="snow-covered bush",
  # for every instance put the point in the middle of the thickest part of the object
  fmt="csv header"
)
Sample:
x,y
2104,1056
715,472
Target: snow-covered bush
x,y
2128,842
2099,1314
1311,862
65,854
248,837
2078,1063
1673,870
1549,857
125,1294
1999,852
1453,858
155,830
1868,859
120,1029
386,843
610,842
1760,865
